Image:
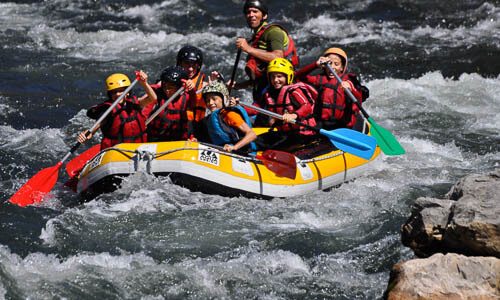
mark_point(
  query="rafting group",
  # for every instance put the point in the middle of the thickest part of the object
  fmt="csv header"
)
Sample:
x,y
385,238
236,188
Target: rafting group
x,y
302,101
188,126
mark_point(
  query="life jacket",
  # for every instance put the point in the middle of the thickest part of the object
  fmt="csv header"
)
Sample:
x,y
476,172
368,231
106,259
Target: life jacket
x,y
287,103
125,124
171,123
334,108
197,107
221,133
256,68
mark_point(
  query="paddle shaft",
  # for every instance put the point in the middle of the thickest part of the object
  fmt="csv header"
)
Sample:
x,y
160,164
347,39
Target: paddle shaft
x,y
345,139
387,142
164,105
349,93
275,115
98,122
233,74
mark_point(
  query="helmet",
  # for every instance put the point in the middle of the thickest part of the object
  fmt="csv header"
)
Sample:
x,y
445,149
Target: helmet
x,y
218,87
190,53
173,74
116,81
255,4
338,52
281,65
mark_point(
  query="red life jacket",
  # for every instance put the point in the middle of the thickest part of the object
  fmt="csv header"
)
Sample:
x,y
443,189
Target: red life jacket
x,y
288,103
197,106
334,108
171,123
125,124
256,68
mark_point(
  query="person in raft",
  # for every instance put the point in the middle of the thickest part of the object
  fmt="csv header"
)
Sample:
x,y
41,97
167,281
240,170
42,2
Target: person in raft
x,y
295,102
127,121
334,109
190,58
269,41
227,126
171,124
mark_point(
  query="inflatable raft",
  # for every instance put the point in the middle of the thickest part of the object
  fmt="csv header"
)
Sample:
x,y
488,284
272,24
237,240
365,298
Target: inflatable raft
x,y
208,169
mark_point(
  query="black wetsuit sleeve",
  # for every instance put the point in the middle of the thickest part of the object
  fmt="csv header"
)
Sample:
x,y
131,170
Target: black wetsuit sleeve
x,y
96,111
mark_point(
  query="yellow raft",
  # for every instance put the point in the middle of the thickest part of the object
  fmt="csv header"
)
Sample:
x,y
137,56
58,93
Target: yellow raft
x,y
206,168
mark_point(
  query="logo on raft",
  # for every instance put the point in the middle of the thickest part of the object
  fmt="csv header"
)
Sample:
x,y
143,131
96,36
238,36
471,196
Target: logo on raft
x,y
209,157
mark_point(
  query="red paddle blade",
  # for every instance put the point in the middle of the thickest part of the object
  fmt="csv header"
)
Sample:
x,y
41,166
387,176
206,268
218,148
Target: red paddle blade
x,y
280,163
35,189
74,166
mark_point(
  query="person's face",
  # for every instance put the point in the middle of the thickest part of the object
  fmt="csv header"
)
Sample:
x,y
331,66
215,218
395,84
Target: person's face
x,y
278,80
336,63
191,68
169,88
116,93
254,17
213,101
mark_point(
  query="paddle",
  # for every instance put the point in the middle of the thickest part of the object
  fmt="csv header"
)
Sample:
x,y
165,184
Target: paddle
x,y
77,163
280,163
164,105
74,166
386,141
347,140
35,189
233,74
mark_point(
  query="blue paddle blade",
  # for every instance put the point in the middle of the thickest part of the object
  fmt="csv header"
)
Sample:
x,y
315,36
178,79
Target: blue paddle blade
x,y
351,141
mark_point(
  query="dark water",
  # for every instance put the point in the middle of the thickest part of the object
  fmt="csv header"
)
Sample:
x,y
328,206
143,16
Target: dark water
x,y
433,73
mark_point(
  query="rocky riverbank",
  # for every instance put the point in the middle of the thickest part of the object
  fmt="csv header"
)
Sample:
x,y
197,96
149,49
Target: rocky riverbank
x,y
457,240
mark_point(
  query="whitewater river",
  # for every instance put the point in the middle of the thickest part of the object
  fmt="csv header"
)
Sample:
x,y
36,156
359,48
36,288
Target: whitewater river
x,y
432,68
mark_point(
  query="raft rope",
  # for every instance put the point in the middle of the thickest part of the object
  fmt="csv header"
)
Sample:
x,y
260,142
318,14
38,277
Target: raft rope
x,y
125,152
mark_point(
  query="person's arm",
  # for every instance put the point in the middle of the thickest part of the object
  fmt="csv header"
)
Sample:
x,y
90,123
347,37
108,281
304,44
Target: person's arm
x,y
275,38
234,120
96,111
249,137
302,74
347,84
303,111
151,95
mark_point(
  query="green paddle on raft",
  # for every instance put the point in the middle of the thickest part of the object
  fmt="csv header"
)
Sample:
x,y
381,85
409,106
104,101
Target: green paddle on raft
x,y
385,140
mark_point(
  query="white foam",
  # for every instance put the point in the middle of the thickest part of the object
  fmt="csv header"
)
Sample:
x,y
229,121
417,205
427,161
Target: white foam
x,y
105,45
344,31
5,108
472,96
31,139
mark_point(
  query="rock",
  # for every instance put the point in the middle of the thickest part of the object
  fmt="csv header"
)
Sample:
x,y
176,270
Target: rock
x,y
450,276
423,232
467,222
474,227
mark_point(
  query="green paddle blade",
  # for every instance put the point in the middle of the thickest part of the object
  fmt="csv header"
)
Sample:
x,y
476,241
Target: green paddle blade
x,y
385,140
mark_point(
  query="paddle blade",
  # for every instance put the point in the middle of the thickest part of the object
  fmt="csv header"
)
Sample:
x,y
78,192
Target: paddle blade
x,y
351,141
35,189
281,163
74,166
385,140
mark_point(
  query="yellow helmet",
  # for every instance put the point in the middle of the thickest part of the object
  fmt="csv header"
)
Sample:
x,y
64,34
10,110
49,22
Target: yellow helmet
x,y
338,52
116,81
281,65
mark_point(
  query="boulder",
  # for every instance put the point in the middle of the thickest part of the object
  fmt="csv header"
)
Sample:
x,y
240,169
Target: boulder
x,y
466,222
450,276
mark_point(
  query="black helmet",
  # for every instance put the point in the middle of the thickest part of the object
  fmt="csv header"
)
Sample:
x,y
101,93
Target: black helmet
x,y
173,74
190,53
255,4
